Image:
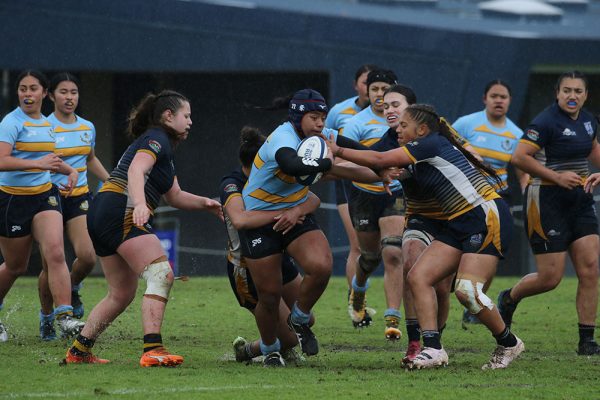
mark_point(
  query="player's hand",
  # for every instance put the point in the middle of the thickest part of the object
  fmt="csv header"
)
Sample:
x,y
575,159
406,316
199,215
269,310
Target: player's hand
x,y
591,182
71,182
568,180
141,214
288,219
50,162
213,207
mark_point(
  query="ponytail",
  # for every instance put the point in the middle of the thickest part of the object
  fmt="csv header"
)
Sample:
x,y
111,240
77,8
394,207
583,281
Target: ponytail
x,y
149,111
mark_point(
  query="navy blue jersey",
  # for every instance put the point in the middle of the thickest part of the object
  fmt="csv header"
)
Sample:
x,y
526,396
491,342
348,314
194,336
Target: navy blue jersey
x,y
159,180
232,186
563,143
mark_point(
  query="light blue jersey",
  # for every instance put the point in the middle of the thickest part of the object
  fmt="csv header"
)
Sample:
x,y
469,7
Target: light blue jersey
x,y
74,142
31,139
268,188
341,113
494,145
368,128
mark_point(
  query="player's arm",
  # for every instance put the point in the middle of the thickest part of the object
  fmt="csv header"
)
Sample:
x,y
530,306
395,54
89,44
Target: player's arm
x,y
291,164
372,159
95,166
188,201
50,162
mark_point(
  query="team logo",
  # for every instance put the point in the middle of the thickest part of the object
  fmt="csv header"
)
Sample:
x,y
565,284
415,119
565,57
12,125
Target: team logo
x,y
86,137
154,145
52,201
552,232
84,205
232,187
507,145
533,134
15,228
568,132
588,127
256,242
476,240
363,222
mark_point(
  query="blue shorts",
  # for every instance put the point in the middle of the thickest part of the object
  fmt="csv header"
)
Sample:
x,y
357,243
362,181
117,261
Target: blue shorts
x,y
110,223
486,229
74,206
17,211
556,217
243,286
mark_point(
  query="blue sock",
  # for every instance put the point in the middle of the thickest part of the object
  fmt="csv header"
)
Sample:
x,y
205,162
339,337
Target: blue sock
x,y
268,349
46,317
298,316
63,310
76,288
392,312
360,289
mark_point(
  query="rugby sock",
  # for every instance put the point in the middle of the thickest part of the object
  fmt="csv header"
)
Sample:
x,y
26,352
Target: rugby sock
x,y
506,338
269,348
393,313
46,317
298,316
249,351
152,341
360,289
586,333
76,287
82,345
413,329
432,339
63,311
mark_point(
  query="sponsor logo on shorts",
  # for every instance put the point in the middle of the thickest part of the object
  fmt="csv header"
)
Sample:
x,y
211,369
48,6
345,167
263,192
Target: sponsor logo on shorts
x,y
15,228
362,222
476,239
154,145
552,232
256,242
568,132
533,134
588,127
84,205
52,201
232,187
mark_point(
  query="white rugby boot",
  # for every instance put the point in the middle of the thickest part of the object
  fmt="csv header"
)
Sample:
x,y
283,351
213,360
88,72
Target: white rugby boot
x,y
503,356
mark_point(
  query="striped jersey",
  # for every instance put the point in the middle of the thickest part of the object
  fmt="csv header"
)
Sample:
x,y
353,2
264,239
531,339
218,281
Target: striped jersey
x,y
495,145
232,186
368,128
31,139
268,187
563,143
443,170
161,176
74,142
341,113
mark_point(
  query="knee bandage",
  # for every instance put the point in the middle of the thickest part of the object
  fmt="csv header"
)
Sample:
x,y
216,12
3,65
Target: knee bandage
x,y
473,291
391,241
158,284
369,261
421,236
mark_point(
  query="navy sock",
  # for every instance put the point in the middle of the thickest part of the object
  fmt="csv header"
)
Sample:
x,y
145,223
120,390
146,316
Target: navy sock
x,y
506,338
152,341
432,339
586,333
413,329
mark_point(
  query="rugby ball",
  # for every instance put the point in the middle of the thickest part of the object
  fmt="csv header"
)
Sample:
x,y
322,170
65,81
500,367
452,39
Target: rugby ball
x,y
310,149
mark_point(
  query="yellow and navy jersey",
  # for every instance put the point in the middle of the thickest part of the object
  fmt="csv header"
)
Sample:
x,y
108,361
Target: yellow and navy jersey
x,y
418,200
74,143
367,128
268,187
442,170
341,113
563,143
159,180
232,186
31,139
495,145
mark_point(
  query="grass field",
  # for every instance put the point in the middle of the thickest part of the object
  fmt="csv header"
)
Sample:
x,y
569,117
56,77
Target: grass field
x,y
203,318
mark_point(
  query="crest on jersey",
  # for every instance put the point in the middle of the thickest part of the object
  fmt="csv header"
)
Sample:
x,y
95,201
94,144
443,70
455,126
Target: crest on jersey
x,y
232,187
588,127
533,134
507,145
84,205
154,145
86,137
52,201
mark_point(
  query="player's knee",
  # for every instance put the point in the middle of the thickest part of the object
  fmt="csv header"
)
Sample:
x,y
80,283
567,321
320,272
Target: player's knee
x,y
87,259
470,294
368,261
159,280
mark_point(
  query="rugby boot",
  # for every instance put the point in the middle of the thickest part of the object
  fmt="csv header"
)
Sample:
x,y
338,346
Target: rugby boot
x,y
160,357
429,358
589,348
503,356
392,331
86,358
306,337
273,360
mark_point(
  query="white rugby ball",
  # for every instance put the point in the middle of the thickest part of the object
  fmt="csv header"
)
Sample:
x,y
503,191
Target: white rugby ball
x,y
310,149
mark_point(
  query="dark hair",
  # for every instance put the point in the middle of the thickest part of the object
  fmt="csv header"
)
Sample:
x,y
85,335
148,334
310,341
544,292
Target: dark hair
x,y
382,75
250,141
364,68
426,114
36,74
500,82
406,91
149,111
573,75
62,77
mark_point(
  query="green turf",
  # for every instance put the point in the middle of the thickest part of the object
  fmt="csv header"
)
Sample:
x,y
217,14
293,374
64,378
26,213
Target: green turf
x,y
203,318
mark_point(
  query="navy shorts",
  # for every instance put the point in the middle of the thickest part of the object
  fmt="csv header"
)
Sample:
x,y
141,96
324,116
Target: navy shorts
x,y
17,211
74,206
486,229
340,192
264,241
366,208
556,217
424,229
110,223
242,284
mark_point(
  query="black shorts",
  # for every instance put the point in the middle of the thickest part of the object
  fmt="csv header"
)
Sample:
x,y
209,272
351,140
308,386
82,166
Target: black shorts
x,y
17,211
110,223
74,206
366,208
264,241
243,286
486,229
424,229
340,192
556,217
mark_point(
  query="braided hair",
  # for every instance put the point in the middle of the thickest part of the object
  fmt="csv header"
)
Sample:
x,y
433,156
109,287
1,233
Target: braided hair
x,y
426,114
